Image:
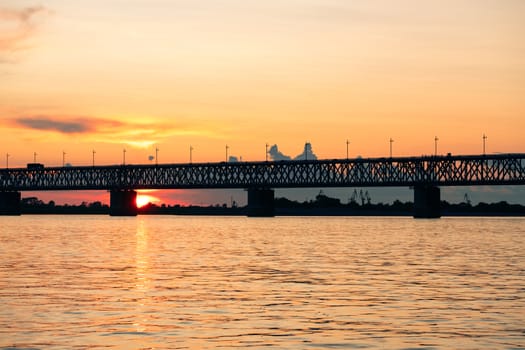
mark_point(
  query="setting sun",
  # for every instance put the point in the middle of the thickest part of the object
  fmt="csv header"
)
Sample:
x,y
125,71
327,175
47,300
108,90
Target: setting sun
x,y
144,199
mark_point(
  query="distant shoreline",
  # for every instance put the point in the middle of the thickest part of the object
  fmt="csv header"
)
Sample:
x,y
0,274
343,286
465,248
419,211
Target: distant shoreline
x,y
321,206
214,211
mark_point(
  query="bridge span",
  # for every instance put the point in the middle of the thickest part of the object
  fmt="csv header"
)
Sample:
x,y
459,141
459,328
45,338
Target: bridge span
x,y
424,174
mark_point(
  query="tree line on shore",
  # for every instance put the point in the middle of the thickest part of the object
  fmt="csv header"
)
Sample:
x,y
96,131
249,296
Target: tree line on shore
x,y
321,205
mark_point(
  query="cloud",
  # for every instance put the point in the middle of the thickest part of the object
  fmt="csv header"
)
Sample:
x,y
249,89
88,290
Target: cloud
x,y
275,154
307,153
131,133
21,15
67,127
16,26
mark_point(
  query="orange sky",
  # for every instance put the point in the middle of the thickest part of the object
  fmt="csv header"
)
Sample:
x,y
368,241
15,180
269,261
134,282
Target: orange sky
x,y
108,75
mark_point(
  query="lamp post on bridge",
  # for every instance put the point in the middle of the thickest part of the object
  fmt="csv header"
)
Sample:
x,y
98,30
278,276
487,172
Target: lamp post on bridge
x,y
347,143
391,141
94,157
436,145
34,157
7,160
191,151
266,151
484,140
156,156
63,159
227,153
124,156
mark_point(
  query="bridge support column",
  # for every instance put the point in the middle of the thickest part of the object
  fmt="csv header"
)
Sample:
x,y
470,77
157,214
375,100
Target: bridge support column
x,y
123,203
427,200
261,202
10,203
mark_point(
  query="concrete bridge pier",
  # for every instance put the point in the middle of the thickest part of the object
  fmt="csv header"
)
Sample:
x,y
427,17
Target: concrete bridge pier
x,y
123,203
10,203
427,201
261,202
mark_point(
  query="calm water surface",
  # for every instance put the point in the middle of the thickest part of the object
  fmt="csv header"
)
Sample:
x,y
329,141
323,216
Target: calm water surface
x,y
168,282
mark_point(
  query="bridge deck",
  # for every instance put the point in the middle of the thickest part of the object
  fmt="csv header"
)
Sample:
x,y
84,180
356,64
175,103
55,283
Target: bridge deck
x,y
500,169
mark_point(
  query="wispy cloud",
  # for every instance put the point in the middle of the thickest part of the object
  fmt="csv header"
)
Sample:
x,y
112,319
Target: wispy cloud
x,y
16,26
135,134
67,127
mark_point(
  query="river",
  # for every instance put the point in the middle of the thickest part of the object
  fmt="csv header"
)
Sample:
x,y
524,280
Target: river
x,y
188,282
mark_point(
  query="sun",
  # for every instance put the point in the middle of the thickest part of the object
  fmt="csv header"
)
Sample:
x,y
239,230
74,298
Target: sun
x,y
144,199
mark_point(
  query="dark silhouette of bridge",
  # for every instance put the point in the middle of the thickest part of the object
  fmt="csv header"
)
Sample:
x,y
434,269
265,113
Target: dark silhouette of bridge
x,y
424,174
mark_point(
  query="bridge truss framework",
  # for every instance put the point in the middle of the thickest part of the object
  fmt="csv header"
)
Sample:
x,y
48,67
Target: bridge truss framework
x,y
504,169
424,174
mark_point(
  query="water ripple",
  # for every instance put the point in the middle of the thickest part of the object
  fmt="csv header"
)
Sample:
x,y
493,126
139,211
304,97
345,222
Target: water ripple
x,y
220,282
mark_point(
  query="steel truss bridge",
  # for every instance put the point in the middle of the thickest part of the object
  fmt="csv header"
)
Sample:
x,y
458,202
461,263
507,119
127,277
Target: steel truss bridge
x,y
499,169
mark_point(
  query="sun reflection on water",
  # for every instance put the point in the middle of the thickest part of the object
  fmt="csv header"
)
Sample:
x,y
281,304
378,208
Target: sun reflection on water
x,y
143,282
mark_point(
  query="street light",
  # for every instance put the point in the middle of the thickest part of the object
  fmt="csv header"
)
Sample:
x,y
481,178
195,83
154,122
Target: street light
x,y
156,156
191,151
347,143
63,159
391,141
484,139
94,157
34,157
266,151
436,145
124,156
7,160
227,152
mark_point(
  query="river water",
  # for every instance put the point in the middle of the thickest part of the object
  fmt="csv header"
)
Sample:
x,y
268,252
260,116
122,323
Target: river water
x,y
182,282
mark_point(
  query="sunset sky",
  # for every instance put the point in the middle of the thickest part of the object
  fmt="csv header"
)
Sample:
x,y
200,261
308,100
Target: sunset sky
x,y
109,75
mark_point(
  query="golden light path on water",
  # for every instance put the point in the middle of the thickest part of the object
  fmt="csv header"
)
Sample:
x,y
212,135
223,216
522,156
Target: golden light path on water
x,y
142,277
164,282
